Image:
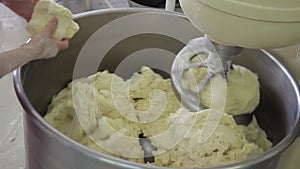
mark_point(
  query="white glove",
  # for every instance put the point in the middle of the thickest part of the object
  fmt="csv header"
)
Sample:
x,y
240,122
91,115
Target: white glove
x,y
43,46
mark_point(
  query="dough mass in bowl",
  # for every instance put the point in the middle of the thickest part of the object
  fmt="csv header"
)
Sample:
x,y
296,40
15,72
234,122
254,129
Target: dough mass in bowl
x,y
108,114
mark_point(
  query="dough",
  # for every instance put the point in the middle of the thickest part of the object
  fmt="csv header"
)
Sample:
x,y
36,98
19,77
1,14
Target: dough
x,y
44,11
107,113
242,95
226,145
78,112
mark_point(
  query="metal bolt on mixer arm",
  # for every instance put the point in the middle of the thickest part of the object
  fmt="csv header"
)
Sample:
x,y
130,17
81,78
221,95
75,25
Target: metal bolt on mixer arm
x,y
218,61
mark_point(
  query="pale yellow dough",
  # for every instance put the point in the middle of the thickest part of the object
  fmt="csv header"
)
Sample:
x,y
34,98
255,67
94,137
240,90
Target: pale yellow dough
x,y
227,144
44,11
241,97
242,91
106,112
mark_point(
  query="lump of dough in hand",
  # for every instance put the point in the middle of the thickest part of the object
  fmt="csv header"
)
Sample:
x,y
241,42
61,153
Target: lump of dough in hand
x,y
44,11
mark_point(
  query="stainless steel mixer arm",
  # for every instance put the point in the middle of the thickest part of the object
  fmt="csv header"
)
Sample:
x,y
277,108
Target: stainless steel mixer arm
x,y
218,61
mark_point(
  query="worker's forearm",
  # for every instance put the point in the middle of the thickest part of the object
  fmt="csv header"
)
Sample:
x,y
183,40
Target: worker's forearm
x,y
13,59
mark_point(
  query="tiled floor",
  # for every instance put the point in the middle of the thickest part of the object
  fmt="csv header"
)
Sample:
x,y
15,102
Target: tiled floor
x,y
13,34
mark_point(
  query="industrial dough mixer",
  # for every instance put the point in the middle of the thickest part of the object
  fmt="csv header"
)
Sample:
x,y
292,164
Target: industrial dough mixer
x,y
230,26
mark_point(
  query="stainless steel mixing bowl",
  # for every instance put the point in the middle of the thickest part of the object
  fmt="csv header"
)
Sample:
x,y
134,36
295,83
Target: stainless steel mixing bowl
x,y
163,35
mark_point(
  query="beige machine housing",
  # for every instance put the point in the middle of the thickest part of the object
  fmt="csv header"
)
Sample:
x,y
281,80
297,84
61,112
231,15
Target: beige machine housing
x,y
247,23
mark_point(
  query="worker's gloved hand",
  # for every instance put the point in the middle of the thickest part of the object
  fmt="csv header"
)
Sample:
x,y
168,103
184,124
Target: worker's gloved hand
x,y
43,46
23,8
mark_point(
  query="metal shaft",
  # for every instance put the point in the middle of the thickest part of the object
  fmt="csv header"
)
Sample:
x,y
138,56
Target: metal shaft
x,y
226,54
